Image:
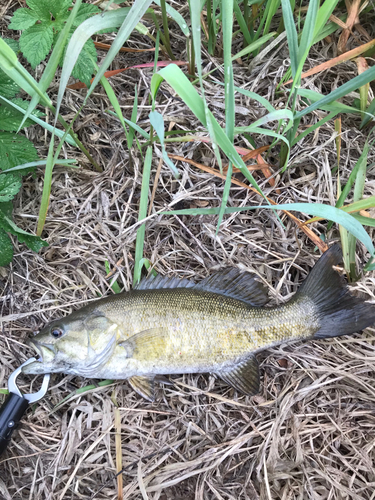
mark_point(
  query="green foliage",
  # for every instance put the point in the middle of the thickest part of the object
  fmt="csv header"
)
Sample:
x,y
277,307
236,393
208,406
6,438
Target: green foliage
x,y
15,149
41,24
8,87
10,118
6,248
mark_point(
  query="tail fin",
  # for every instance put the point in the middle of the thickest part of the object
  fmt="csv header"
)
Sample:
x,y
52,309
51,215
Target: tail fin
x,y
340,313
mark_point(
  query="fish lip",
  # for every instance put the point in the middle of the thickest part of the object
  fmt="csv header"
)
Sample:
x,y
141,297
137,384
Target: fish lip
x,y
39,346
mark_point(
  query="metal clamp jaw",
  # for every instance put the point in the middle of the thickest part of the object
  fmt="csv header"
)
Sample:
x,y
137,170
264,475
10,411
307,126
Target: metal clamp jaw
x,y
16,404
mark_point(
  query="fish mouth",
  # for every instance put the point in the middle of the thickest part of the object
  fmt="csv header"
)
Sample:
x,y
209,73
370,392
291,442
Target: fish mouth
x,y
43,364
46,352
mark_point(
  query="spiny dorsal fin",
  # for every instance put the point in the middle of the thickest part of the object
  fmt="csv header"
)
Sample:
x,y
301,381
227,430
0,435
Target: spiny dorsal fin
x,y
233,283
229,281
156,282
244,376
144,386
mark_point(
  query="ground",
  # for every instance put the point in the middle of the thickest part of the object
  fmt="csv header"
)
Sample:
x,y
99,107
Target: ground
x,y
309,434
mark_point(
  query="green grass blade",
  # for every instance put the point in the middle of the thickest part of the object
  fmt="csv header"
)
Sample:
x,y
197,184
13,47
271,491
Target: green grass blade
x,y
307,34
176,16
142,214
134,16
14,69
365,221
291,34
324,14
157,121
195,11
45,125
80,37
254,46
325,211
239,17
354,84
133,125
316,125
370,114
333,106
167,41
359,187
114,285
41,163
179,82
227,15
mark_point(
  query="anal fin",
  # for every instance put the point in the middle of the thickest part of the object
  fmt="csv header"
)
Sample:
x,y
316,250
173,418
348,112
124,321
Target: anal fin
x,y
144,386
244,376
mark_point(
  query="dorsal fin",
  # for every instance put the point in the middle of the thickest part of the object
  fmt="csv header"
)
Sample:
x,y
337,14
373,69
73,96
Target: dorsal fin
x,y
156,282
229,281
232,283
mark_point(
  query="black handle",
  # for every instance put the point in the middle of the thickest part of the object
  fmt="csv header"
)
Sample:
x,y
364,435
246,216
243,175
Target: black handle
x,y
11,413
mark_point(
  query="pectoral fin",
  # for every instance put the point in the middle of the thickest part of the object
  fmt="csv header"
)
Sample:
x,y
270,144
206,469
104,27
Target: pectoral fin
x,y
244,376
144,386
147,344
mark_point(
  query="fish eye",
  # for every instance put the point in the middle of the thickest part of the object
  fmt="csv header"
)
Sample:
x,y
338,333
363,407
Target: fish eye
x,y
57,332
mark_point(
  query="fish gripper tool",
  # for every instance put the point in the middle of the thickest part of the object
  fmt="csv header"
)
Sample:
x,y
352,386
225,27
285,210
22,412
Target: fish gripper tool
x,y
16,404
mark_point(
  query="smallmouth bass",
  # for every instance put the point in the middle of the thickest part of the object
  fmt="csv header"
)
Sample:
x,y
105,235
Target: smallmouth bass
x,y
170,326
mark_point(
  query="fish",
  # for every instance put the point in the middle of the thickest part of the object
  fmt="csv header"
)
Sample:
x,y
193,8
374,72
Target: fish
x,y
174,326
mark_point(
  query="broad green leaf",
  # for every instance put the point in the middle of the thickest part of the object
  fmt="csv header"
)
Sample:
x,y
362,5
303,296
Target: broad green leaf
x,y
23,18
8,88
10,184
36,43
58,7
54,60
85,11
6,209
6,249
44,8
14,150
10,118
33,242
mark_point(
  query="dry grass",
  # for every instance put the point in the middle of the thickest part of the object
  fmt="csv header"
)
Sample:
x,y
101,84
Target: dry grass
x,y
309,434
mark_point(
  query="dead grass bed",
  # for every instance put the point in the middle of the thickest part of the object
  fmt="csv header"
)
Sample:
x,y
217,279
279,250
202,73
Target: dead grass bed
x,y
309,434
